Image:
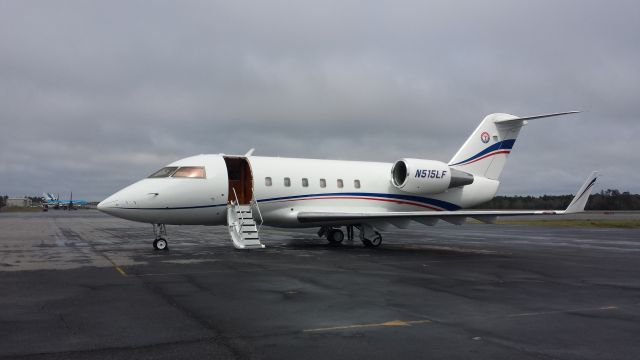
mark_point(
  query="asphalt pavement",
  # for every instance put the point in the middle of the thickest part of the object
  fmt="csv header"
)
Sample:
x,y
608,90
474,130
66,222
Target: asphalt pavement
x,y
83,285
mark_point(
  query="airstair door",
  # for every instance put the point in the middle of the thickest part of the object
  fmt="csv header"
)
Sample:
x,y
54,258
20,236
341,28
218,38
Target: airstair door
x,y
240,180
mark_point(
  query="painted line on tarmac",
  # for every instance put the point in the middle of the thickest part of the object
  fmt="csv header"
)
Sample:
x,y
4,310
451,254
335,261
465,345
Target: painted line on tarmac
x,y
115,265
183,273
393,323
119,269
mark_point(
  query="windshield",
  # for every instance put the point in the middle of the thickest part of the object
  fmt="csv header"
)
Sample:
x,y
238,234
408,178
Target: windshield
x,y
196,172
164,172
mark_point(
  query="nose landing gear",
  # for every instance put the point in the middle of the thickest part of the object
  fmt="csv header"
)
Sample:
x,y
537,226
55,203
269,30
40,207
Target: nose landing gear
x,y
160,244
160,231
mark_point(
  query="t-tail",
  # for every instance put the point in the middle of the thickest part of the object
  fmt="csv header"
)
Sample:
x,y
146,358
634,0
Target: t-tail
x,y
485,152
49,197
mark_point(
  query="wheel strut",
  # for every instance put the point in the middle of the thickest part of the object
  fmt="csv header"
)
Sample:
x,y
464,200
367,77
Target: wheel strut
x,y
160,232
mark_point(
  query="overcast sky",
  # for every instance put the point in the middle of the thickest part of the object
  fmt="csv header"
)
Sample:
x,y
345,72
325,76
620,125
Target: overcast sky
x,y
97,94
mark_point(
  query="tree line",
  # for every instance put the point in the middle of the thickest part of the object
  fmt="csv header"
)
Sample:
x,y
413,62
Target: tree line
x,y
609,199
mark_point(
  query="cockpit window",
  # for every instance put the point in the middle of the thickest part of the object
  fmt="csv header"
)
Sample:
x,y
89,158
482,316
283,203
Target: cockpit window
x,y
196,172
164,172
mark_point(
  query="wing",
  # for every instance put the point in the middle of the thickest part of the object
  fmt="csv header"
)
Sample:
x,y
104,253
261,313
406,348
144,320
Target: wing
x,y
402,219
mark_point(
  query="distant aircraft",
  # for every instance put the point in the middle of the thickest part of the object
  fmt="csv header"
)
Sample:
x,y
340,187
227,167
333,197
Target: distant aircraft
x,y
245,192
55,201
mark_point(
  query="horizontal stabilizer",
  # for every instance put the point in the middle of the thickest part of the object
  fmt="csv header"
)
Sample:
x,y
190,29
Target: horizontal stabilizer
x,y
536,117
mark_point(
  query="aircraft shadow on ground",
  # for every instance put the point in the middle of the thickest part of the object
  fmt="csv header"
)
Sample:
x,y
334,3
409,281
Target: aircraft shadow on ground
x,y
394,248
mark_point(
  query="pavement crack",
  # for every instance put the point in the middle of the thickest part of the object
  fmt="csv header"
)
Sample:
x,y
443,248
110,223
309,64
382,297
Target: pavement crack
x,y
64,322
217,336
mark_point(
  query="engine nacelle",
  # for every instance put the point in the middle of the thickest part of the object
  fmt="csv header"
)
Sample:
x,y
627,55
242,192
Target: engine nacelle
x,y
424,177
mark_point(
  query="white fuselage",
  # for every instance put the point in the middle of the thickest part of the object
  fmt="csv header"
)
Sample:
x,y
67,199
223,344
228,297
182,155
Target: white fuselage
x,y
312,185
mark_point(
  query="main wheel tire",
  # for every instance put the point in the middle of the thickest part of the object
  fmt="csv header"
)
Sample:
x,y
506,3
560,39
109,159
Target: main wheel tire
x,y
160,244
335,236
374,242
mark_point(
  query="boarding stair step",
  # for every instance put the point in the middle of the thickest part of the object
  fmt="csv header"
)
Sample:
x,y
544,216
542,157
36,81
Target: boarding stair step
x,y
242,227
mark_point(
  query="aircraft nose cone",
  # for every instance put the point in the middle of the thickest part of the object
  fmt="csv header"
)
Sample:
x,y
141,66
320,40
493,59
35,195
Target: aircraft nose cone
x,y
107,205
121,203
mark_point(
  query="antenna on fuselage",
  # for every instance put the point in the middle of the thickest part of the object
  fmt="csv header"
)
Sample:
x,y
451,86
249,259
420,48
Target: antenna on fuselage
x,y
249,153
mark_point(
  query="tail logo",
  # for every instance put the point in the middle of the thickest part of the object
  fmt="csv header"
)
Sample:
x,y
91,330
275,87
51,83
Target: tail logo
x,y
485,137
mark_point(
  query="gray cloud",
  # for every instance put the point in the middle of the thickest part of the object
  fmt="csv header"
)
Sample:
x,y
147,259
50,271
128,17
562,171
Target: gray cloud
x,y
94,95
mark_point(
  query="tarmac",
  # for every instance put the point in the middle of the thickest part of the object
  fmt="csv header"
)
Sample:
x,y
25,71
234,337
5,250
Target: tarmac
x,y
83,285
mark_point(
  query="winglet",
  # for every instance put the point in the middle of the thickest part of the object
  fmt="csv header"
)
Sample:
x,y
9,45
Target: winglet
x,y
582,196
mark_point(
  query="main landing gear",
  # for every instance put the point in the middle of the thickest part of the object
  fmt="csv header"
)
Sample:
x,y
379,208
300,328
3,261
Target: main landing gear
x,y
369,237
160,231
335,236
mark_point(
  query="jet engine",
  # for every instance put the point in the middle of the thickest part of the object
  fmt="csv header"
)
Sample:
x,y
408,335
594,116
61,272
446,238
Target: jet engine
x,y
425,177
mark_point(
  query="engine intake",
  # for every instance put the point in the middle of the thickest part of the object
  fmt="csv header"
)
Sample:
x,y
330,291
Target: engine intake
x,y
417,176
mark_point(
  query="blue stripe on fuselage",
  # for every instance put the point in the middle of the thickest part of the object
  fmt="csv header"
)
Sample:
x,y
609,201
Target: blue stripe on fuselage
x,y
429,201
501,145
172,208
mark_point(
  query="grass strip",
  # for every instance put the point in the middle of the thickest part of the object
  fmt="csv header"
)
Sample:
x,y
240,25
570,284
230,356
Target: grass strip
x,y
625,224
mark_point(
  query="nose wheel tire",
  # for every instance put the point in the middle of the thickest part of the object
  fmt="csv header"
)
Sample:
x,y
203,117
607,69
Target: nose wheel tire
x,y
374,241
335,236
160,244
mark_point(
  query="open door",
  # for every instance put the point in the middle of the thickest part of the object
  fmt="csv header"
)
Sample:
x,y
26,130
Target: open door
x,y
240,179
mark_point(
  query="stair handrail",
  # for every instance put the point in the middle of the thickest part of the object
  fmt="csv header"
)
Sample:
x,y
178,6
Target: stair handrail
x,y
259,213
234,210
235,195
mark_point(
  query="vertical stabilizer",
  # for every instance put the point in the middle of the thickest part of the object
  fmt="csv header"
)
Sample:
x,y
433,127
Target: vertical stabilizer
x,y
485,152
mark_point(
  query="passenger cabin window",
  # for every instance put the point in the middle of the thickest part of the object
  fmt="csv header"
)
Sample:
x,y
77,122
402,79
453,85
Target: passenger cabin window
x,y
323,183
193,172
356,184
340,183
305,182
287,182
267,181
164,172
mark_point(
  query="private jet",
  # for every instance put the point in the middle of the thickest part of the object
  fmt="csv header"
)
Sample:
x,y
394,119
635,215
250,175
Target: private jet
x,y
245,192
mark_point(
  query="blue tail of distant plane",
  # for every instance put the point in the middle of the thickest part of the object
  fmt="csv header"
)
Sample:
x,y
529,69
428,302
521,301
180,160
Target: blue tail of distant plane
x,y
49,197
55,200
